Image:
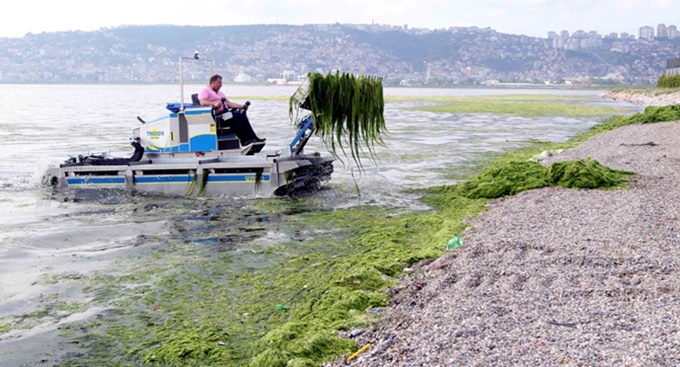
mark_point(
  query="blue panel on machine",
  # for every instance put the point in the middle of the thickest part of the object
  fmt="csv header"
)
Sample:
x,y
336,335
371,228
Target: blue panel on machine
x,y
164,179
203,143
95,180
233,178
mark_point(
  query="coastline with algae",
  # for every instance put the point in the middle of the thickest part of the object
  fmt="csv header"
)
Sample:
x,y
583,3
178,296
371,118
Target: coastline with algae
x,y
555,276
185,308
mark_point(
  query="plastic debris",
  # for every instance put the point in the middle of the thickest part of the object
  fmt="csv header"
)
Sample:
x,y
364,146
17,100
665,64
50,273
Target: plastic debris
x,y
363,349
355,332
455,242
282,308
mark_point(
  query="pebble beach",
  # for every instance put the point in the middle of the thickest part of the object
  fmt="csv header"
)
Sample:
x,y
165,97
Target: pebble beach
x,y
553,276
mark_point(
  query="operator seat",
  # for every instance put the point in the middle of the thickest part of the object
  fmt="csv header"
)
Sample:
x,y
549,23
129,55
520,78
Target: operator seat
x,y
226,139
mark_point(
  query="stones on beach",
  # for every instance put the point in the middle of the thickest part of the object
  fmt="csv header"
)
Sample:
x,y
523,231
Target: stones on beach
x,y
553,276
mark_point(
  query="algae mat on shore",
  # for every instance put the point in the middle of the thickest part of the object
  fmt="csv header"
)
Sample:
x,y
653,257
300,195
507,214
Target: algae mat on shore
x,y
283,305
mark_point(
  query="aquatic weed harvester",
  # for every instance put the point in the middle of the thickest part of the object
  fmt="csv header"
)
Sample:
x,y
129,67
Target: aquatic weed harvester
x,y
193,152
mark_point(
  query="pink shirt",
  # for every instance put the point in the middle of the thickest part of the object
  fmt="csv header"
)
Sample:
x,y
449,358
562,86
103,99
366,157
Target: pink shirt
x,y
212,96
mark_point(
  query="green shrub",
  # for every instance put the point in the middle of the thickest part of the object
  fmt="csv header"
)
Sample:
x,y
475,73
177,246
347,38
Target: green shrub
x,y
669,81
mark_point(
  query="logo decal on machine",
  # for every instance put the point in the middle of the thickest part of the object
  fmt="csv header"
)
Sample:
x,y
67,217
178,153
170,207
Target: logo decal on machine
x,y
155,134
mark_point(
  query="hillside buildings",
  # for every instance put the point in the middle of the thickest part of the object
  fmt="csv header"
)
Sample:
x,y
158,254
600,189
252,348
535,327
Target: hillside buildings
x,y
284,54
592,40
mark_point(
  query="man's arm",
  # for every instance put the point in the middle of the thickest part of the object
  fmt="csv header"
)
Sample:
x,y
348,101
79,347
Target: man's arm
x,y
231,104
206,102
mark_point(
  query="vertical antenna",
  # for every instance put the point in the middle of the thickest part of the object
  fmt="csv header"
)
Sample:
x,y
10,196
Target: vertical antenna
x,y
181,85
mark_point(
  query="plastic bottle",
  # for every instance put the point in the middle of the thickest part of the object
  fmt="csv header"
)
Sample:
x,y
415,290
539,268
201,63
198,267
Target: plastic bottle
x,y
455,242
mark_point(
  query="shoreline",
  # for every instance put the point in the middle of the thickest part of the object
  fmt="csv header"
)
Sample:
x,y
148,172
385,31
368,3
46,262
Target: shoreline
x,y
553,276
644,97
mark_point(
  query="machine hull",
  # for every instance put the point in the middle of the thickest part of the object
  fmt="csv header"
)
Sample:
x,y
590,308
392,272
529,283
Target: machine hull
x,y
231,176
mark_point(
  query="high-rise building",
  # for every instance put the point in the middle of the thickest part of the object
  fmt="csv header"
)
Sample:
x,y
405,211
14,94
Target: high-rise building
x,y
647,33
672,67
558,42
661,31
673,32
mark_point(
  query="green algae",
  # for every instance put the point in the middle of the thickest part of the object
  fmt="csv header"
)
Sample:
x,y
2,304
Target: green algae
x,y
511,177
585,174
200,312
507,179
497,97
654,114
520,105
191,307
654,91
51,310
5,328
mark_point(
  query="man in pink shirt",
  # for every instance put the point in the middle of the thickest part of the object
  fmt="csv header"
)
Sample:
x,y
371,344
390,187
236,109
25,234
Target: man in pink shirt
x,y
212,96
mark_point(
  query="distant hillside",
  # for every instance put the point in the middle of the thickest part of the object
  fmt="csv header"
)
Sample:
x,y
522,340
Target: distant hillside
x,y
141,54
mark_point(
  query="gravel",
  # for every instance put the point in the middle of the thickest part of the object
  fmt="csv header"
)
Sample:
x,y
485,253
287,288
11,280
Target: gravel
x,y
553,277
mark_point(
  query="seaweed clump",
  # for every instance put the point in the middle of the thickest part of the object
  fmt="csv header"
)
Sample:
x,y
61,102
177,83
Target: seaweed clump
x,y
585,174
654,114
514,177
347,111
508,179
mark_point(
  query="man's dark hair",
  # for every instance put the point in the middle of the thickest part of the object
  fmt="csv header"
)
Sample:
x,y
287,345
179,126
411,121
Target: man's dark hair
x,y
215,77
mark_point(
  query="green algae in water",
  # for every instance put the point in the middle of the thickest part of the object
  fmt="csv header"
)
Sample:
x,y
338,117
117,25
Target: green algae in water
x,y
193,309
521,105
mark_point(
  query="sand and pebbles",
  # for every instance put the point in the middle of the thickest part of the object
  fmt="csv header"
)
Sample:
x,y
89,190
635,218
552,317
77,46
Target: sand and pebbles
x,y
553,277
644,99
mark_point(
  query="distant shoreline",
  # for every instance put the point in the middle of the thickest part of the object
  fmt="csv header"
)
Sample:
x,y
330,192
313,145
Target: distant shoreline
x,y
457,86
650,97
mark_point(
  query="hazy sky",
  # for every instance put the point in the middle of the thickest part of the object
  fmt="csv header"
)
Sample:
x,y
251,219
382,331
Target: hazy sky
x,y
529,17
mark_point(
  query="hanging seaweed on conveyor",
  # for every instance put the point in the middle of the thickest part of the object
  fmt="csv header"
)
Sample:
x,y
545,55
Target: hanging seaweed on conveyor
x,y
347,111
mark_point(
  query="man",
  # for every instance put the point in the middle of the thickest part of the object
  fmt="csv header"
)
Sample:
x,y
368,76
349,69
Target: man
x,y
211,96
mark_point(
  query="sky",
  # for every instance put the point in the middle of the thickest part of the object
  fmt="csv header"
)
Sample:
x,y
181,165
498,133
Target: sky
x,y
528,17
